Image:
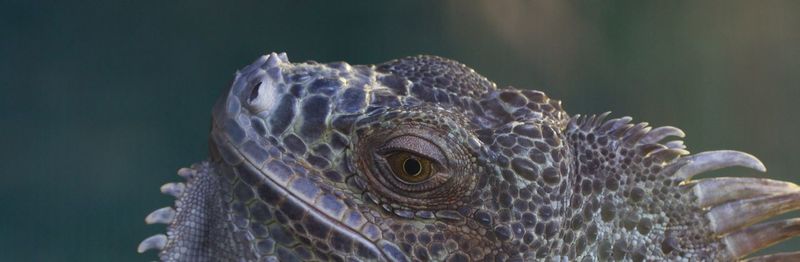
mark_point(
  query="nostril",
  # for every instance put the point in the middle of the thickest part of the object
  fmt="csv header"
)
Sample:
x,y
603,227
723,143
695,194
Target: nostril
x,y
254,92
263,95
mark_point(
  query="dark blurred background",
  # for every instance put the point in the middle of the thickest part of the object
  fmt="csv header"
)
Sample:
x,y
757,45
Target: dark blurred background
x,y
103,100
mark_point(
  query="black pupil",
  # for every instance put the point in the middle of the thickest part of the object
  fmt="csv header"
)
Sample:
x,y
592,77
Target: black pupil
x,y
412,166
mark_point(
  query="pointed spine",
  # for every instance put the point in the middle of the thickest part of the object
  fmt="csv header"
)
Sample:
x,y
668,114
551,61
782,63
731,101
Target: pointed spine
x,y
713,160
155,242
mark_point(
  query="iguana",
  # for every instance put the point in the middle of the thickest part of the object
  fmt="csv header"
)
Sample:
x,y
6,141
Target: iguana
x,y
423,159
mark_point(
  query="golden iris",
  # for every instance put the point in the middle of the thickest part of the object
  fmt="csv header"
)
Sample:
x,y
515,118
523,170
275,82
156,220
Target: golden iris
x,y
409,167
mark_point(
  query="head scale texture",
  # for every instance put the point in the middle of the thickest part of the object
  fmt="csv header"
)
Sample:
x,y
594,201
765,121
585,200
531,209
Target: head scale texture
x,y
422,158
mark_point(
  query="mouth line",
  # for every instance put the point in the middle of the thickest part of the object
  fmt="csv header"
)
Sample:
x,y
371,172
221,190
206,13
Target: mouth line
x,y
287,194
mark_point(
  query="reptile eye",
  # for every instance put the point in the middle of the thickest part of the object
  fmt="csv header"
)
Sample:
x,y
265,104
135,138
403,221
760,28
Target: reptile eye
x,y
409,164
414,166
409,167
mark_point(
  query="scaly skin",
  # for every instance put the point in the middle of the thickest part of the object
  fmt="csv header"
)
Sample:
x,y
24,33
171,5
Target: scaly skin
x,y
422,159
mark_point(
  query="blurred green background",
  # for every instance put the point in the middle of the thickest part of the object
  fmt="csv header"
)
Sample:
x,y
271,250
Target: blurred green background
x,y
103,100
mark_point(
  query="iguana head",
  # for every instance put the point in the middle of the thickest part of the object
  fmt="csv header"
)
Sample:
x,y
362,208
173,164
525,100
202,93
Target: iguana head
x,y
423,159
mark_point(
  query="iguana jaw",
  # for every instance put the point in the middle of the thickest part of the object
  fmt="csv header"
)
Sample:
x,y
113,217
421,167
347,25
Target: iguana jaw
x,y
290,192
